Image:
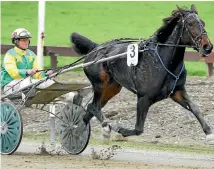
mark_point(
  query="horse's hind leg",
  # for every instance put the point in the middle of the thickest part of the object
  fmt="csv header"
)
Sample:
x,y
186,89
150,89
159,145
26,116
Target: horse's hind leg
x,y
98,78
182,98
109,92
143,105
94,108
101,97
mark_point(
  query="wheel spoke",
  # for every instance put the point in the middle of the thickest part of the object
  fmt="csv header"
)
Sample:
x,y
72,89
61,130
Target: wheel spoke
x,y
9,142
77,117
2,142
65,135
70,114
5,112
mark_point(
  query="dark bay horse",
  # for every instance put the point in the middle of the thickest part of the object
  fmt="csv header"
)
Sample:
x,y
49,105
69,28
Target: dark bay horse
x,y
160,72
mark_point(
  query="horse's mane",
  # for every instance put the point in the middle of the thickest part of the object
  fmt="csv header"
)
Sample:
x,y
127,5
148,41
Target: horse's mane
x,y
169,24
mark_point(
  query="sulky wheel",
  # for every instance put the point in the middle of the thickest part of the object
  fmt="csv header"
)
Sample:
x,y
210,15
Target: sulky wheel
x,y
74,134
11,128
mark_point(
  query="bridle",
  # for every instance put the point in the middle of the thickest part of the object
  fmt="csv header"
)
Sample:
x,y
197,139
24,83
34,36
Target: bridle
x,y
196,40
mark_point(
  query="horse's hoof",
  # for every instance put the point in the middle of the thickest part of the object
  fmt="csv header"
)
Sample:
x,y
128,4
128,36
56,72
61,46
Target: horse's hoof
x,y
210,139
106,131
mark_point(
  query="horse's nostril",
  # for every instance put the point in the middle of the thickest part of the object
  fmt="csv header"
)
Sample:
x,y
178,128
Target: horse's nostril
x,y
207,47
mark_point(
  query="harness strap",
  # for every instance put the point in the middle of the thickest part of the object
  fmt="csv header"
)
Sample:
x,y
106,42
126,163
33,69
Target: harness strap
x,y
172,74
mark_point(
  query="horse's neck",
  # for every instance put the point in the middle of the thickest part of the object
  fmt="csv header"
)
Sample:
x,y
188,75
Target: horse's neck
x,y
175,54
175,36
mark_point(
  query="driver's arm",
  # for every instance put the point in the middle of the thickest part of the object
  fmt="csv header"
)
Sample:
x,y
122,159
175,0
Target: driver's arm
x,y
11,68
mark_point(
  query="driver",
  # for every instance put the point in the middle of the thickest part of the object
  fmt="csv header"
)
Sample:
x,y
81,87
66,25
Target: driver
x,y
20,66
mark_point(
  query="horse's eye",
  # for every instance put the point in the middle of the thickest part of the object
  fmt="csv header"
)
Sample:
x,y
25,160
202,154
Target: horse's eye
x,y
191,24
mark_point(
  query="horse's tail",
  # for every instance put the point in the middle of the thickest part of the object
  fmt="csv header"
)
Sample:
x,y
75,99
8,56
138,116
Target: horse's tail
x,y
81,44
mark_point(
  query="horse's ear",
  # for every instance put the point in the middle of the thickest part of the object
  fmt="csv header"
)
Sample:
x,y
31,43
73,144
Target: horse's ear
x,y
180,11
193,8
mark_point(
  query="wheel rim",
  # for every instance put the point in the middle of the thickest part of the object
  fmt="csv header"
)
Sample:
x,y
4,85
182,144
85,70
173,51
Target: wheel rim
x,y
74,134
11,128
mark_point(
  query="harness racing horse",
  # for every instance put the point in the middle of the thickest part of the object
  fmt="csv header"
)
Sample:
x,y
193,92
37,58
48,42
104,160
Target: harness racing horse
x,y
159,74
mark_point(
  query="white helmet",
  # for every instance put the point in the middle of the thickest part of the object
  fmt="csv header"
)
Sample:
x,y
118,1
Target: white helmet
x,y
20,33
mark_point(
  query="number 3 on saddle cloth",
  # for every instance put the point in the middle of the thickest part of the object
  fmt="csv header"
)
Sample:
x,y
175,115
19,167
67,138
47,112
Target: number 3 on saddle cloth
x,y
132,55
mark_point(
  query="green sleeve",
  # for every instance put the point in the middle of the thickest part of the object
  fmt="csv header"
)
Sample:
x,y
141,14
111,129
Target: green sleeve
x,y
23,72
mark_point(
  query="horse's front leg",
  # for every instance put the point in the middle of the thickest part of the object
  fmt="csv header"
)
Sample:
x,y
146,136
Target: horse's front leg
x,y
182,98
143,104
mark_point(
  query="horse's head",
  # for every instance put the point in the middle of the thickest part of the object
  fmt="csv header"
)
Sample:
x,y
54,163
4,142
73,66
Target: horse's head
x,y
194,32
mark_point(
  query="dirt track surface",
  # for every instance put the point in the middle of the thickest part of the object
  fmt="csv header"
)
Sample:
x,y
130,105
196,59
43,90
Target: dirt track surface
x,y
29,155
66,162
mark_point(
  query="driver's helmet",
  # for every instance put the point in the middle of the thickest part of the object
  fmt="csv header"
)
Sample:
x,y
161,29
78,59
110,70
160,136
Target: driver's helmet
x,y
20,33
